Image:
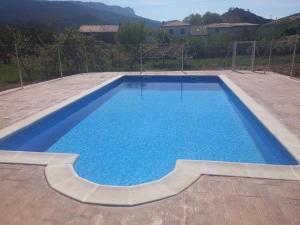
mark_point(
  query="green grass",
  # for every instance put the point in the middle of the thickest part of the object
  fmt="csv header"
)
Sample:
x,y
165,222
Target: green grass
x,y
8,74
242,62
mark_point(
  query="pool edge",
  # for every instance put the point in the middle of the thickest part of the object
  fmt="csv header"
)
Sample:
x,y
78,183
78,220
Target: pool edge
x,y
52,109
61,176
272,124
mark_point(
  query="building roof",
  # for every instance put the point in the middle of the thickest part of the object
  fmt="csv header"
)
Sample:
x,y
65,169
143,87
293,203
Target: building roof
x,y
198,31
99,28
202,30
285,19
174,23
230,25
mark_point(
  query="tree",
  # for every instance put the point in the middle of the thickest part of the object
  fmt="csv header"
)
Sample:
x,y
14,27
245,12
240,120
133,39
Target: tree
x,y
220,42
196,47
194,19
161,36
130,36
209,18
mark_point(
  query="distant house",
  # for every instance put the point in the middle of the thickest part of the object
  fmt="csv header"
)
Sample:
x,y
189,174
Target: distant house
x,y
176,28
106,33
181,29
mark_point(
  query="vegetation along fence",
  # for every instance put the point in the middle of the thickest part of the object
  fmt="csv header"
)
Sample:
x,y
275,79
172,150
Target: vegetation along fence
x,y
23,63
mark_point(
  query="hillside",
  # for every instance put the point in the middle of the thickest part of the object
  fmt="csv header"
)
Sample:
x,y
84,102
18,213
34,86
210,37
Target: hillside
x,y
288,19
66,13
286,26
233,15
237,15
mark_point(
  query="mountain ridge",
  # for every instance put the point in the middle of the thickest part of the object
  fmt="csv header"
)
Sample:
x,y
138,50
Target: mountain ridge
x,y
238,15
66,13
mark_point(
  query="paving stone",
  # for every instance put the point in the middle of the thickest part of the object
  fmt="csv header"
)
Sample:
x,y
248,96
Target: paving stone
x,y
26,198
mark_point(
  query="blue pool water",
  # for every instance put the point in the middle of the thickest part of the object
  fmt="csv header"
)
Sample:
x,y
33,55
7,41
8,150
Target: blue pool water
x,y
133,130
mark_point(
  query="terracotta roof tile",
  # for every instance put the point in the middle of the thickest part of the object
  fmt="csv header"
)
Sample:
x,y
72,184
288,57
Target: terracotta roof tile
x,y
99,28
174,23
230,25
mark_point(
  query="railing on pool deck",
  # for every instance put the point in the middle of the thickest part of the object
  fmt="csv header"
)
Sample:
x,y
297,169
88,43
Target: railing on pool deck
x,y
24,63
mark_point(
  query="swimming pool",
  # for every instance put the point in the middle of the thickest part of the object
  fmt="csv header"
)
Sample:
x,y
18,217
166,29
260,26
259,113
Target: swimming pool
x,y
133,130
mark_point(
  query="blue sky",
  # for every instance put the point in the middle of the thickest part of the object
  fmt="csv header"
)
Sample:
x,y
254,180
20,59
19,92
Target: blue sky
x,y
178,9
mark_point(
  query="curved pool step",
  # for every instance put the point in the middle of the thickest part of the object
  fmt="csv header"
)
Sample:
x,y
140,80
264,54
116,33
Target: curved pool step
x,y
61,176
65,180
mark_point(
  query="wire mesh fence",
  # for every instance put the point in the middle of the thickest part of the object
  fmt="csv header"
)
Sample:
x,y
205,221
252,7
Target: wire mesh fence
x,y
101,57
243,55
285,58
9,77
295,71
38,63
208,58
161,56
27,63
278,56
262,52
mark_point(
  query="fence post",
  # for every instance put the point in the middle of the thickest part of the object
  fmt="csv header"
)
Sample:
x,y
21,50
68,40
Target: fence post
x,y
253,56
294,56
86,61
270,55
19,67
59,59
141,59
234,56
182,57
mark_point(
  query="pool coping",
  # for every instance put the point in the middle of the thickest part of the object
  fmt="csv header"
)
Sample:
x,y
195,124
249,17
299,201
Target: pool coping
x,y
62,177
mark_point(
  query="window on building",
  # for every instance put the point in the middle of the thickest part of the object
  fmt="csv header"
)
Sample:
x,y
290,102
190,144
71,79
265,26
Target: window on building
x,y
171,31
182,31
